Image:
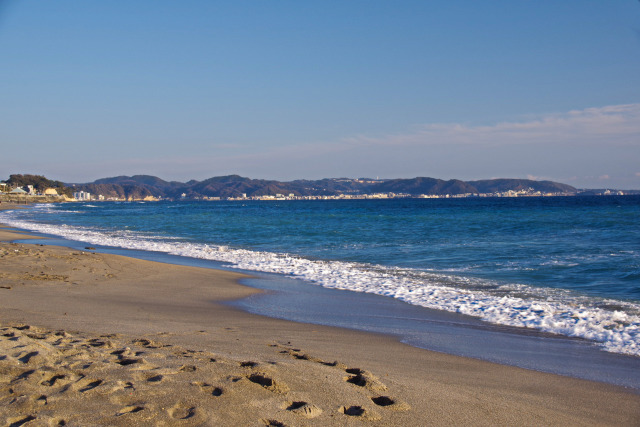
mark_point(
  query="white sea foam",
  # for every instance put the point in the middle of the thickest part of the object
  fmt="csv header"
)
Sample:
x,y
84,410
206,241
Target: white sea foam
x,y
548,310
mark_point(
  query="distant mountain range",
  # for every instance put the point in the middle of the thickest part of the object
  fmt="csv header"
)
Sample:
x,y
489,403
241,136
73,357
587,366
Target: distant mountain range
x,y
141,186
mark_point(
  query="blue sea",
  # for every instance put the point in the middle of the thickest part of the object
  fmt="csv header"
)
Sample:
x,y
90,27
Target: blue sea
x,y
535,267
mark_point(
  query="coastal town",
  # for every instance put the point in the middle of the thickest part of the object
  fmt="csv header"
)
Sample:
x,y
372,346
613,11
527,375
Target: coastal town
x,y
29,194
39,189
378,196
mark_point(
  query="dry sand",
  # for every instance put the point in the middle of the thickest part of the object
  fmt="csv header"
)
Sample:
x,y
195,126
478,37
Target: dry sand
x,y
95,339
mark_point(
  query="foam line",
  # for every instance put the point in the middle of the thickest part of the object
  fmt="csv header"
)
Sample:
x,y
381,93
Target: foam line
x,y
548,310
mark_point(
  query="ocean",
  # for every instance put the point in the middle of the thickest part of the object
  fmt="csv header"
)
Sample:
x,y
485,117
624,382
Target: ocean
x,y
535,267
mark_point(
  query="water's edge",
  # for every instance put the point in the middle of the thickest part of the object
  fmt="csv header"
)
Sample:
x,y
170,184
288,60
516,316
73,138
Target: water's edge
x,y
451,333
613,324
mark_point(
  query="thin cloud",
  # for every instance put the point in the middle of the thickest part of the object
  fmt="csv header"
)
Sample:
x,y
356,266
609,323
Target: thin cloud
x,y
540,177
614,124
563,147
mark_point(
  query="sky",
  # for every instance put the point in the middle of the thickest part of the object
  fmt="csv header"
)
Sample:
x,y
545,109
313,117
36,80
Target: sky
x,y
191,89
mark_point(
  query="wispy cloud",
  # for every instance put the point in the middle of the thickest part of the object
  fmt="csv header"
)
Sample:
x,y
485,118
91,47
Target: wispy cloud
x,y
615,124
585,147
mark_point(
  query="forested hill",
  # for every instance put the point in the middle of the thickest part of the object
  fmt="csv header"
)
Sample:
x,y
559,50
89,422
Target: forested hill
x,y
141,186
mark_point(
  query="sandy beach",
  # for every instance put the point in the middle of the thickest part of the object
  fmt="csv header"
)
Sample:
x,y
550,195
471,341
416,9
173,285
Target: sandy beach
x,y
97,339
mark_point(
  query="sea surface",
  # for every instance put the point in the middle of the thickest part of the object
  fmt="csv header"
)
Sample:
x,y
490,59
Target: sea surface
x,y
568,266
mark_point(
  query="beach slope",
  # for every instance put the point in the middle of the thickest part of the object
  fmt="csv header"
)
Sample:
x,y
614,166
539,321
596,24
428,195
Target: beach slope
x,y
96,339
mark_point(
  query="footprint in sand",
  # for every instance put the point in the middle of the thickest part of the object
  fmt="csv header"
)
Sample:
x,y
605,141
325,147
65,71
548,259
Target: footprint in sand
x,y
36,335
273,423
354,411
359,411
137,364
186,353
267,383
24,375
125,353
304,409
390,403
120,386
296,353
155,378
19,421
143,342
129,410
181,412
208,388
301,356
82,364
52,380
88,385
363,378
27,357
97,342
127,361
357,378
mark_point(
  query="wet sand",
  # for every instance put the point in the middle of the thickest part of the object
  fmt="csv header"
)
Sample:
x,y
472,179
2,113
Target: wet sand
x,y
97,339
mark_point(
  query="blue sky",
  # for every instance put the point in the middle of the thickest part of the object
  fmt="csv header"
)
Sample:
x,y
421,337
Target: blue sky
x,y
288,89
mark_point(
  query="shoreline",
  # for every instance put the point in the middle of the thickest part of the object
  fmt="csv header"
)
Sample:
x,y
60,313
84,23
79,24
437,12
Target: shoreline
x,y
136,299
295,300
529,288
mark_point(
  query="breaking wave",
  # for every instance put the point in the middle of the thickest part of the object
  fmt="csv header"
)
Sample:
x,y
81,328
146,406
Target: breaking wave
x,y
612,324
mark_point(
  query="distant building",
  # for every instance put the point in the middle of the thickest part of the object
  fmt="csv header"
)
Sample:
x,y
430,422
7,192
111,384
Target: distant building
x,y
51,192
18,191
82,195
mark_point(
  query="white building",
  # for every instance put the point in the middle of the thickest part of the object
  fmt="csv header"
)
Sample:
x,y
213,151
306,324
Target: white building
x,y
82,195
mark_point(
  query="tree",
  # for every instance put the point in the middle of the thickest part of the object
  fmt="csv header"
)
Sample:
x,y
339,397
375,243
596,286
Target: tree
x,y
39,182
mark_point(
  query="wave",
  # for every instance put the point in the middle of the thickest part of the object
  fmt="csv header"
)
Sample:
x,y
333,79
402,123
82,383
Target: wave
x,y
612,324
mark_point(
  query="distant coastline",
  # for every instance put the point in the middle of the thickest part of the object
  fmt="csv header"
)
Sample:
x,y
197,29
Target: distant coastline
x,y
235,187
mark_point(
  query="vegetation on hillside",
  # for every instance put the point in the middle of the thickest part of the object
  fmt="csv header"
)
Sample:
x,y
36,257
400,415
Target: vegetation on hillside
x,y
39,182
139,186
